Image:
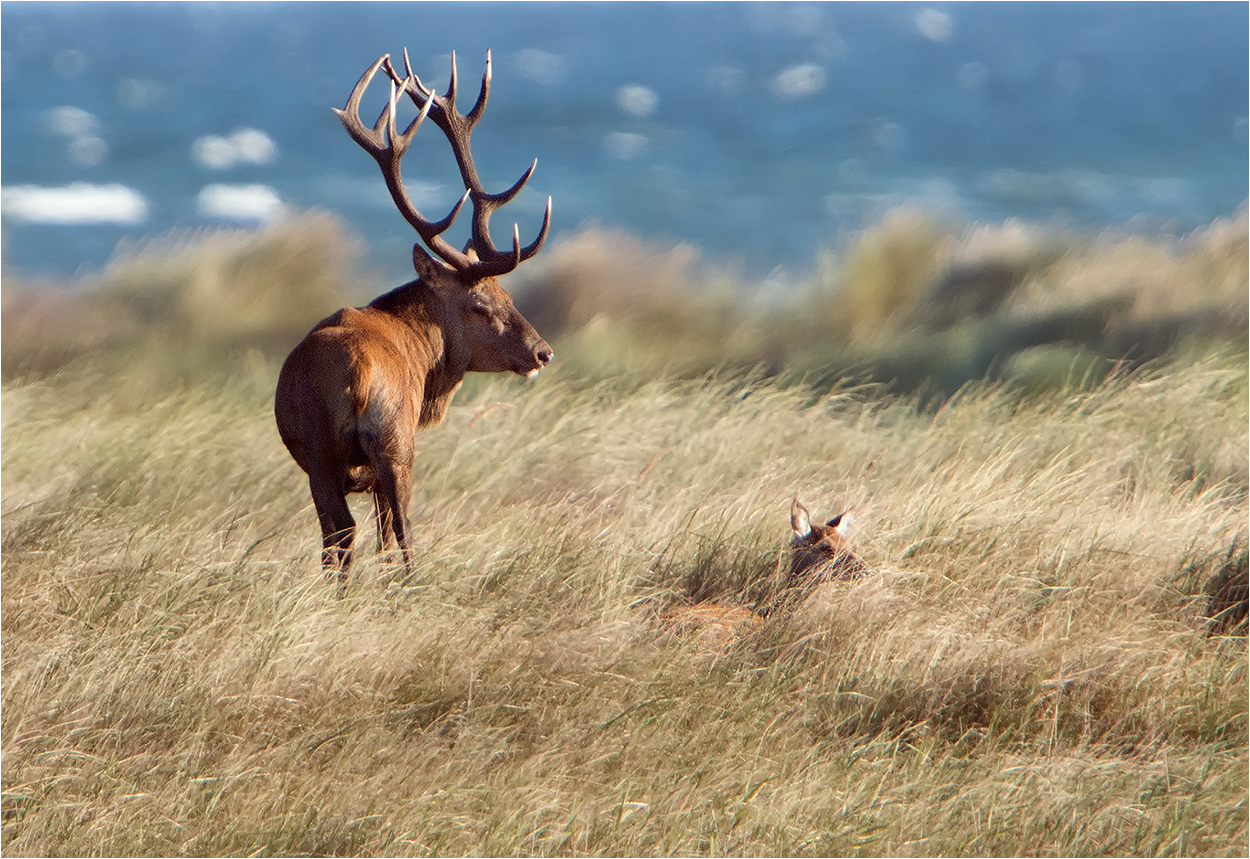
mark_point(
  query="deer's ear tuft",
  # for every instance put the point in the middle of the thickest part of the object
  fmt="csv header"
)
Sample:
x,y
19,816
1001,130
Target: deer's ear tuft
x,y
800,520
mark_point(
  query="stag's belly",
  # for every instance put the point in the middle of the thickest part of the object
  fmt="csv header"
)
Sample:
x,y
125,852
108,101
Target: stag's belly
x,y
359,478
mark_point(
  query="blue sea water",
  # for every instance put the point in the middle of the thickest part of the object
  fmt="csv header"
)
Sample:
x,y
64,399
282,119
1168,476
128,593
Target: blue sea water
x,y
755,131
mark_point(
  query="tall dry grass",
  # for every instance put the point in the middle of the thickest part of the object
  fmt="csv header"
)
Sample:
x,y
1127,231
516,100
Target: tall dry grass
x,y
1029,670
187,303
913,302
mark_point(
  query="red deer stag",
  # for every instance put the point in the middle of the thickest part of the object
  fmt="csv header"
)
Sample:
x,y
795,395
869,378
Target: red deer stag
x,y
352,394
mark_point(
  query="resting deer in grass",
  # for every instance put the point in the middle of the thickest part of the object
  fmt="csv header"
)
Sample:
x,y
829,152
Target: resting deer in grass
x,y
819,554
713,626
353,393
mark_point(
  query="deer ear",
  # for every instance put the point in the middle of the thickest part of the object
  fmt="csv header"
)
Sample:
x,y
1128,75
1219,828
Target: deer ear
x,y
841,523
800,521
427,268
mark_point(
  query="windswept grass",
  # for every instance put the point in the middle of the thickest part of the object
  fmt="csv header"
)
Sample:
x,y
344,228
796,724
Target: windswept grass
x,y
1028,672
913,303
1030,669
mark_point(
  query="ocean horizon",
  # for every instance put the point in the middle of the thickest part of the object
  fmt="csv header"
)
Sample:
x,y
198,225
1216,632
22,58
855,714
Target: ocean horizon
x,y
757,132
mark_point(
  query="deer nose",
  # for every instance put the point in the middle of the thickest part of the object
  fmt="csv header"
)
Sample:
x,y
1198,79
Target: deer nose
x,y
543,355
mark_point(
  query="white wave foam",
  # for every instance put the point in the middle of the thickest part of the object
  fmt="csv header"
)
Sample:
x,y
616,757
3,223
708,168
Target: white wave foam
x,y
241,146
934,25
239,202
625,144
88,151
142,93
79,203
729,80
541,66
86,147
637,100
70,121
798,81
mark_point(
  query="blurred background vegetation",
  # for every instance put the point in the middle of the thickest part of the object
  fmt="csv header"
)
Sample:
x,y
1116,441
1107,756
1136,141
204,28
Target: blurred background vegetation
x,y
914,302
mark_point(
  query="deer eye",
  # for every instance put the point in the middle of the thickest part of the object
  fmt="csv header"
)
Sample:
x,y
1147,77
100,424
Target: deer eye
x,y
480,310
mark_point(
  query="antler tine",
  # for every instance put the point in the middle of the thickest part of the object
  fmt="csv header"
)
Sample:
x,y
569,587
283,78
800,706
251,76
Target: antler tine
x,y
419,92
389,68
496,200
408,68
479,106
500,262
450,95
387,147
400,145
446,222
350,114
485,206
515,256
390,115
532,248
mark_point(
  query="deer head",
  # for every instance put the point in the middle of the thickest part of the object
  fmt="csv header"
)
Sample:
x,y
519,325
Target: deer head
x,y
484,319
498,337
821,552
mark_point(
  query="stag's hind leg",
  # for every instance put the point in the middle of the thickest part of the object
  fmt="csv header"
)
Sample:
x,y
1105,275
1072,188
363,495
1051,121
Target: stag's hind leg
x,y
392,490
338,528
390,496
393,528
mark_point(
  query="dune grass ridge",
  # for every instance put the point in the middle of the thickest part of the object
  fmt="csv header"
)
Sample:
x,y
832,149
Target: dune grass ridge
x,y
190,302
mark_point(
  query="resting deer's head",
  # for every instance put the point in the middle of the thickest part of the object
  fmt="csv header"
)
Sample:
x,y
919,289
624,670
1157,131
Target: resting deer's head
x,y
821,551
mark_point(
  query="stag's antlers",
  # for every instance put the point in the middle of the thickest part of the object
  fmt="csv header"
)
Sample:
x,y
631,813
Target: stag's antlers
x,y
387,147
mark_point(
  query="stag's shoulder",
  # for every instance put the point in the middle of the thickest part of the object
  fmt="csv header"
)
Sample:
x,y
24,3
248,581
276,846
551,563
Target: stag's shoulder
x,y
344,317
368,323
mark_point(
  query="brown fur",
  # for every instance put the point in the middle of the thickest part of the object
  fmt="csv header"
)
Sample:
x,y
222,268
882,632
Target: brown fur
x,y
714,627
353,393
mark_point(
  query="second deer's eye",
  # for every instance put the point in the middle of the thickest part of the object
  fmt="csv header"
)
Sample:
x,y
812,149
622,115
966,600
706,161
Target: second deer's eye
x,y
480,310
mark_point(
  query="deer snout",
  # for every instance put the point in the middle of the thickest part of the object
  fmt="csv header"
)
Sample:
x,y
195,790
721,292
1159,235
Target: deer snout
x,y
540,356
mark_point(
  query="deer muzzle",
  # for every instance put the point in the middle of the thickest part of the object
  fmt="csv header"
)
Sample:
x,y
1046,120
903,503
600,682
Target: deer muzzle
x,y
540,356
